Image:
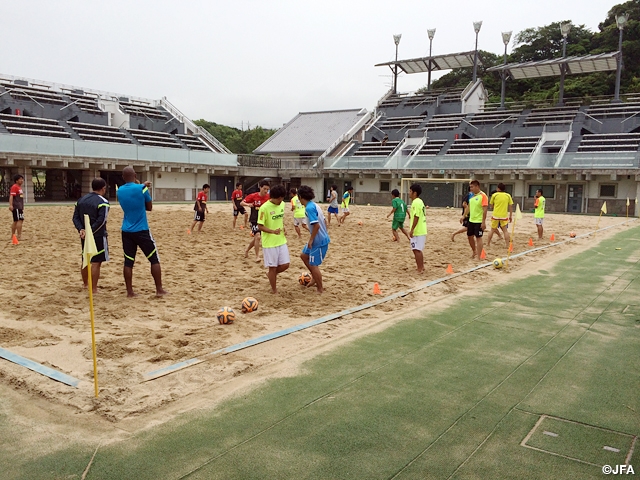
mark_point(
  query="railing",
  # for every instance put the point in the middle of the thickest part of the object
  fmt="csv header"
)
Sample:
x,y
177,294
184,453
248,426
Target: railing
x,y
347,136
258,161
178,115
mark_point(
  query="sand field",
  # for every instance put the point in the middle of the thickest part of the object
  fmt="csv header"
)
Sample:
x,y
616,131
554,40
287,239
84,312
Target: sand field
x,y
45,311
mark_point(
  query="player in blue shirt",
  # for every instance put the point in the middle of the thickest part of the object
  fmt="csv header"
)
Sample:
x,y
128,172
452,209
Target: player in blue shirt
x,y
135,201
316,248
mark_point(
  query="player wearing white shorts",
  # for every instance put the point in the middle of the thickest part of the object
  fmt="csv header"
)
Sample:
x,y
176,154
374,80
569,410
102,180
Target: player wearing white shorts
x,y
274,242
418,222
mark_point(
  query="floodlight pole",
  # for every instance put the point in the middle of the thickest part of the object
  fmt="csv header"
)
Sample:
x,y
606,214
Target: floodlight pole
x,y
506,38
431,33
396,40
476,27
621,21
564,29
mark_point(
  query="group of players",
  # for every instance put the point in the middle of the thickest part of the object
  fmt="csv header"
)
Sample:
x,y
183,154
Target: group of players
x,y
266,221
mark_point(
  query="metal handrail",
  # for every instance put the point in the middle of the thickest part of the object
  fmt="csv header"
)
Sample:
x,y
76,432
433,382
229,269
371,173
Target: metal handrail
x,y
72,103
628,118
591,117
510,117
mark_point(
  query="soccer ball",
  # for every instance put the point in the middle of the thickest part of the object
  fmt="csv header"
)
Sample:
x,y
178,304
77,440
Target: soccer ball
x,y
360,223
249,304
304,279
498,263
226,315
572,234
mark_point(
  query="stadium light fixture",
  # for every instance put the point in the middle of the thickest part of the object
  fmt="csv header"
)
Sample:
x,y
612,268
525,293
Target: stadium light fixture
x,y
506,38
621,21
476,27
396,40
430,33
565,28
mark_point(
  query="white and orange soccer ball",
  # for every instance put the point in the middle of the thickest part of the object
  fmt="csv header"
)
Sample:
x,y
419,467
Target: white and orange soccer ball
x,y
305,279
249,304
226,315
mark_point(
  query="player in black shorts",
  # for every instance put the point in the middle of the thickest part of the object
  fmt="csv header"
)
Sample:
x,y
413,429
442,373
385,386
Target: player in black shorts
x,y
96,206
255,201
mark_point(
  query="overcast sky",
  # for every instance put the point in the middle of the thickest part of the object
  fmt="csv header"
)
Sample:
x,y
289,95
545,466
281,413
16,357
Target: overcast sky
x,y
254,61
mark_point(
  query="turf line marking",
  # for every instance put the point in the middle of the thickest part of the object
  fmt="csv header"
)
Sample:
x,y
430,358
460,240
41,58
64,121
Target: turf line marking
x,y
281,333
611,449
633,445
39,368
551,434
337,389
506,378
531,432
86,470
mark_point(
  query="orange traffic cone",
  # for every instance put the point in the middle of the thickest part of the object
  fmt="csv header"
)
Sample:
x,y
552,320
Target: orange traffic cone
x,y
553,237
483,255
450,269
530,242
376,289
14,240
188,231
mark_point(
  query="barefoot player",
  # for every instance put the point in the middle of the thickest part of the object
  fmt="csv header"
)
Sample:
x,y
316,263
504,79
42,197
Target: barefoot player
x,y
418,229
255,201
315,251
274,243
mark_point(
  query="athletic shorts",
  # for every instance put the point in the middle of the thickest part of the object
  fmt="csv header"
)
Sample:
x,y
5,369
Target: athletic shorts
x,y
18,215
143,239
239,211
199,216
316,255
417,243
299,221
539,221
333,210
344,210
465,222
397,224
103,249
474,230
276,256
255,229
499,222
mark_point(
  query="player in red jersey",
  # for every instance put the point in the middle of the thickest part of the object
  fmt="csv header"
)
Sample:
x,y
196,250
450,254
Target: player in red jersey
x,y
238,209
201,207
255,201
16,205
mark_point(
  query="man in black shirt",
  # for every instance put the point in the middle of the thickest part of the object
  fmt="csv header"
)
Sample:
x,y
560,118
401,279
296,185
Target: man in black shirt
x,y
96,206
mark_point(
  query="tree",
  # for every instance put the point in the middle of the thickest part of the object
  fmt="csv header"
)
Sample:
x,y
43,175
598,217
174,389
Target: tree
x,y
238,141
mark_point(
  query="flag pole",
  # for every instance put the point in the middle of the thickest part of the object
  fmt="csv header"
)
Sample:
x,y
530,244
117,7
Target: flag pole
x,y
603,209
627,208
517,217
89,251
93,330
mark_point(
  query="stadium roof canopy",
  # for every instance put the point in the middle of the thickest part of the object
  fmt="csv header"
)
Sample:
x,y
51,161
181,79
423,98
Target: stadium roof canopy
x,y
440,62
552,68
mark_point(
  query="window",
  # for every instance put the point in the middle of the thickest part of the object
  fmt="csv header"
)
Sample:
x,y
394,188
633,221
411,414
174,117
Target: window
x,y
493,187
385,186
608,190
548,191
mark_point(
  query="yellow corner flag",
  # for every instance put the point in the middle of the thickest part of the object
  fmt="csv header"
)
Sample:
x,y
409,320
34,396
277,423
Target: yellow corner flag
x,y
518,212
90,250
604,208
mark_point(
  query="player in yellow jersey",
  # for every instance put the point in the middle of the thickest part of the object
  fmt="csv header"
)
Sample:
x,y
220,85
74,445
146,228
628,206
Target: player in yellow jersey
x,y
299,218
346,199
274,243
418,228
502,202
477,209
538,215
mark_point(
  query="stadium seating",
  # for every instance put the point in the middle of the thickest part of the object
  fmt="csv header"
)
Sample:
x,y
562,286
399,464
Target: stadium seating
x,y
610,142
375,149
614,110
193,143
542,116
142,110
22,125
85,102
35,94
449,121
475,146
432,147
399,123
99,133
154,139
523,144
495,117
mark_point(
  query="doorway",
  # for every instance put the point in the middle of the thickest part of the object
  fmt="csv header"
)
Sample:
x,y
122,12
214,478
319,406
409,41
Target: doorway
x,y
574,199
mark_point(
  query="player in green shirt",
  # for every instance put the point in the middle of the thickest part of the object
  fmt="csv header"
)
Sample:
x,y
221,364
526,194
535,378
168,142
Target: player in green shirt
x,y
297,208
399,212
418,232
274,244
538,215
